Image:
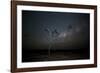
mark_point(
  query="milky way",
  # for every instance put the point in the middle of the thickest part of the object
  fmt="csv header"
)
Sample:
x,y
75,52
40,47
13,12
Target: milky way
x,y
73,29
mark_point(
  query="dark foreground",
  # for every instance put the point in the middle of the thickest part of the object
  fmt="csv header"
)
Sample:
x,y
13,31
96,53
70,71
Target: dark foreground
x,y
42,55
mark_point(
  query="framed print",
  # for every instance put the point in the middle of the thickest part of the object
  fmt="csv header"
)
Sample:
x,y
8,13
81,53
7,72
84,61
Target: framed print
x,y
52,36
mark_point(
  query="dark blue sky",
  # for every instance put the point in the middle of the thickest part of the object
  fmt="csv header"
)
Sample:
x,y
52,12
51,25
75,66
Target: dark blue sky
x,y
72,29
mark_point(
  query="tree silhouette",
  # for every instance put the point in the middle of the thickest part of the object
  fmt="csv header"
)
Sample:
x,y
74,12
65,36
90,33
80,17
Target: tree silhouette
x,y
52,36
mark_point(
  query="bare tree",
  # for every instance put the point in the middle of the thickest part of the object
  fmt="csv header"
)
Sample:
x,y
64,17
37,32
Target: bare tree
x,y
52,36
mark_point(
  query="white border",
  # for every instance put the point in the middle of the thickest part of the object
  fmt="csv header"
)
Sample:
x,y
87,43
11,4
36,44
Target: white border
x,y
52,63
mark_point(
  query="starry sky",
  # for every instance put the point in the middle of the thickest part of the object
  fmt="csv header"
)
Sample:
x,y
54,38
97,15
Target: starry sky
x,y
70,30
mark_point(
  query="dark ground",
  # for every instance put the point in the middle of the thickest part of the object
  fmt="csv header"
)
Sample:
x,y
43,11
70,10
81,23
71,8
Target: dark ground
x,y
42,55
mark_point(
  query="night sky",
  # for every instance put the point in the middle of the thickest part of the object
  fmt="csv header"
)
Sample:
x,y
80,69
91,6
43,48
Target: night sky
x,y
69,30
